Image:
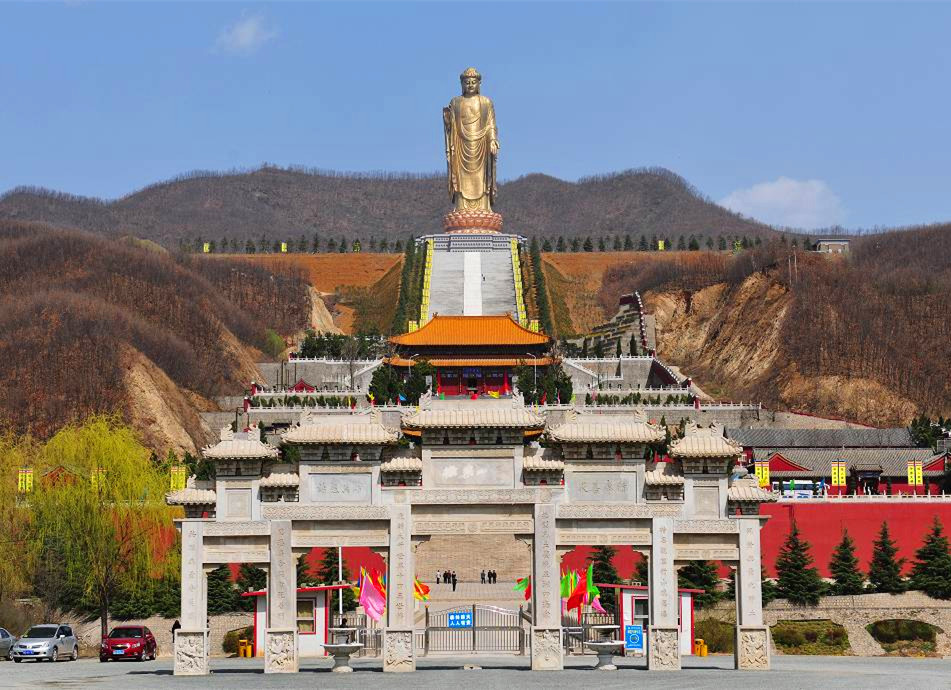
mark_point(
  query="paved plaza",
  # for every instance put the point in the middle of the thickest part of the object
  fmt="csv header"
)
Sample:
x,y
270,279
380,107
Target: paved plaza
x,y
496,672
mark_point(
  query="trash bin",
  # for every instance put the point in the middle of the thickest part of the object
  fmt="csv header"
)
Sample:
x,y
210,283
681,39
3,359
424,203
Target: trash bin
x,y
703,649
698,646
242,648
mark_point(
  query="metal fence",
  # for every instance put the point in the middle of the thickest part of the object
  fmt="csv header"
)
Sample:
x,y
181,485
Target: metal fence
x,y
492,629
369,633
576,634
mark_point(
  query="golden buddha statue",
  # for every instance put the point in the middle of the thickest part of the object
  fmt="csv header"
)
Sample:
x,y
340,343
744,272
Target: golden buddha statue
x,y
472,146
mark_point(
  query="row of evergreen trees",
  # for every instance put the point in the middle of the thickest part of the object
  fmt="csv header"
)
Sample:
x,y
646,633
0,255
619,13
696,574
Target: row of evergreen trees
x,y
798,580
302,245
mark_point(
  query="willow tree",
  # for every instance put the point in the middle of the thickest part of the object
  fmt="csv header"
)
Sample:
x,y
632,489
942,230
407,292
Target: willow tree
x,y
15,453
99,516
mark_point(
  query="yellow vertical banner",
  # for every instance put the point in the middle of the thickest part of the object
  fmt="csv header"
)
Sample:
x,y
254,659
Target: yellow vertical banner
x,y
25,480
919,474
762,473
838,473
284,247
206,247
911,473
660,245
179,477
737,245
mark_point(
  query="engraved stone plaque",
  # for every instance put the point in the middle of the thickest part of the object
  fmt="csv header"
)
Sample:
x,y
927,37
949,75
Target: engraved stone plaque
x,y
601,487
706,501
479,472
340,488
237,504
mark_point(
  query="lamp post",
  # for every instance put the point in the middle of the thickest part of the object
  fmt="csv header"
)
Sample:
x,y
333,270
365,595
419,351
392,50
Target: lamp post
x,y
534,373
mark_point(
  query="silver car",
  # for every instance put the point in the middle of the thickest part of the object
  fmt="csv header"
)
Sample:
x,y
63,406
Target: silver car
x,y
6,644
47,641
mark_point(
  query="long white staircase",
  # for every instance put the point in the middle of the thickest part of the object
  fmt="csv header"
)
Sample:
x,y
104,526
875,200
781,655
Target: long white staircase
x,y
472,283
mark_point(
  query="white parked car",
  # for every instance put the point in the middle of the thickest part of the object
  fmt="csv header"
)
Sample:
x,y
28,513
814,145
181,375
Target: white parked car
x,y
47,641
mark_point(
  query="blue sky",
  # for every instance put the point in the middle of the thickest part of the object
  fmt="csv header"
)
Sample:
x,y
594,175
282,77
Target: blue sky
x,y
798,114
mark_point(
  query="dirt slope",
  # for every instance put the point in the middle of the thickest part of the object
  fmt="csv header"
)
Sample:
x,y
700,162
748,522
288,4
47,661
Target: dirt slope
x,y
731,341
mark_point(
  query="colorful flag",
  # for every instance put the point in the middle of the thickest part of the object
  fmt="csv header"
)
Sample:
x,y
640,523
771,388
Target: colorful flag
x,y
420,591
524,584
401,397
372,599
493,394
543,398
576,600
596,605
591,589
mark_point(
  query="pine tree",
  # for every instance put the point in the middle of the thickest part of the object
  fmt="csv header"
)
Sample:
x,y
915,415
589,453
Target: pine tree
x,y
222,596
628,243
250,579
681,245
561,244
642,244
605,572
575,244
721,243
601,245
642,571
931,572
701,575
617,350
844,567
709,243
546,245
884,572
342,246
617,246
315,244
693,245
304,576
632,348
588,245
799,581
768,588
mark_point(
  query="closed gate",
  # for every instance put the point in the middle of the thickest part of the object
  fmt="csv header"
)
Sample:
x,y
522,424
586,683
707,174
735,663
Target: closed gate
x,y
475,628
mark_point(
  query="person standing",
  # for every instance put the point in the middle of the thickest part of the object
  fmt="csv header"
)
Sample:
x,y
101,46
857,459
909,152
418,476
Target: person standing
x,y
437,577
483,576
175,626
453,580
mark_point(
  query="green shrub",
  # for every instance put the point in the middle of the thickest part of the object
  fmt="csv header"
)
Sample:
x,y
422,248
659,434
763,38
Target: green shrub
x,y
717,634
810,637
273,343
230,643
899,629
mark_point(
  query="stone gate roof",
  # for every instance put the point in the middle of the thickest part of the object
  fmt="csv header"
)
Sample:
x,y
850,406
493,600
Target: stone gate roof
x,y
361,428
704,442
498,416
596,428
244,444
822,438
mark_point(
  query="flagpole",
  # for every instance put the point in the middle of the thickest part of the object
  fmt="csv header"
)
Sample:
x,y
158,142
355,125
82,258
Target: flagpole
x,y
340,578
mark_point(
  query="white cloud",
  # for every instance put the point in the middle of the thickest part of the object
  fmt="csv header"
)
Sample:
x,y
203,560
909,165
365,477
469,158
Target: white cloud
x,y
806,204
246,35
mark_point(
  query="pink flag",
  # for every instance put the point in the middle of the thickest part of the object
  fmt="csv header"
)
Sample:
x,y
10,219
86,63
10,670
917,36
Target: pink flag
x,y
372,600
596,605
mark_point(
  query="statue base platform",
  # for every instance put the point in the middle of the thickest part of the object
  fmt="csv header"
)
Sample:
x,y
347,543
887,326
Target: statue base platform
x,y
472,222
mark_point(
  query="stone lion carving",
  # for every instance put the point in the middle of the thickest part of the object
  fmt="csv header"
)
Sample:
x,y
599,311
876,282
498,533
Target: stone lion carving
x,y
280,652
753,651
398,651
190,654
546,649
664,654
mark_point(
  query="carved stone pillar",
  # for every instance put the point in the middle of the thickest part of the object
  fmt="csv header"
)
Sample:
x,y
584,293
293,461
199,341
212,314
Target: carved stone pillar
x,y
752,637
191,640
546,596
398,652
280,637
663,639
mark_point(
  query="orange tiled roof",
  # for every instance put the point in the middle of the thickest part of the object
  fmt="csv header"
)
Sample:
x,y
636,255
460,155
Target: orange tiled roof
x,y
471,330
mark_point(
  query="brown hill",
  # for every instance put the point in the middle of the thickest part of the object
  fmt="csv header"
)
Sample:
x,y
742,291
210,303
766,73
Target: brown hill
x,y
90,325
864,337
285,204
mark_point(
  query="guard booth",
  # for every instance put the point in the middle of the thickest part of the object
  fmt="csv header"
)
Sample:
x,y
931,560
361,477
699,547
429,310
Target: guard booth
x,y
312,615
634,609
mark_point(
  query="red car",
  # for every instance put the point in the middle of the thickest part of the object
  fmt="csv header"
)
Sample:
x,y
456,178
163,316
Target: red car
x,y
128,642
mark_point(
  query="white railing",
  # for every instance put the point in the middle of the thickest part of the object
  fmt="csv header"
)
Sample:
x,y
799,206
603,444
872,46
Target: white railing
x,y
326,360
310,394
703,406
868,498
612,360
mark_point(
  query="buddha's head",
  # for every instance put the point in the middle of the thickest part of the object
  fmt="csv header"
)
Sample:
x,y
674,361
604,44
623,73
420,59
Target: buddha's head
x,y
471,79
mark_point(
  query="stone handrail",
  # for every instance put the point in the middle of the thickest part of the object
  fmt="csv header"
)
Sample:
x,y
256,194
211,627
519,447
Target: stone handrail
x,y
867,498
327,360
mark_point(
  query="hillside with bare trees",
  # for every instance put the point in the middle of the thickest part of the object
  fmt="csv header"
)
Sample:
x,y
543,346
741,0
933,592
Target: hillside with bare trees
x,y
865,337
89,324
275,204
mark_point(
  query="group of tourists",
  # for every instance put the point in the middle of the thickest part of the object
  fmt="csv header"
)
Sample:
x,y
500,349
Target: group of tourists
x,y
447,577
491,576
